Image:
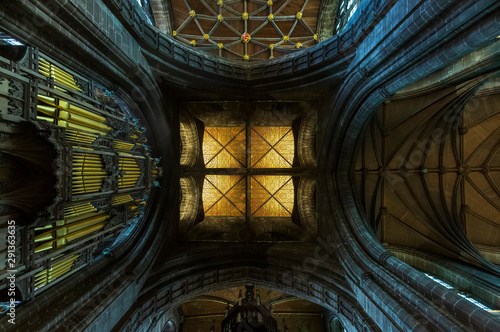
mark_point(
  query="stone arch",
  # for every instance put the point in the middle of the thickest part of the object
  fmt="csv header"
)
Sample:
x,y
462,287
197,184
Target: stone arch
x,y
169,292
335,325
190,202
258,283
366,87
306,140
419,186
191,137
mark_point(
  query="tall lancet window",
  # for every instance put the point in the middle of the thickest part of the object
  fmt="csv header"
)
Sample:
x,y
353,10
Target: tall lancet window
x,y
346,10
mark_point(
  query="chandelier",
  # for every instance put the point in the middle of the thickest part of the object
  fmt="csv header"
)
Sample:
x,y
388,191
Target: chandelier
x,y
249,315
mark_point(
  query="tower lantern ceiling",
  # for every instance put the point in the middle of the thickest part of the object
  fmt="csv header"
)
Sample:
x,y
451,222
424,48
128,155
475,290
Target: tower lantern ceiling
x,y
246,29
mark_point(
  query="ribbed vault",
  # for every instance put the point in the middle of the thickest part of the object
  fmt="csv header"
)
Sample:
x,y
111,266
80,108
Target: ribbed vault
x,y
248,171
428,172
244,29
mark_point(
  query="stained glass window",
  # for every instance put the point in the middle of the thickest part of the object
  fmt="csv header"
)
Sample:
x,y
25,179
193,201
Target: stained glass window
x,y
271,196
224,147
439,281
474,301
267,195
148,11
8,40
346,10
224,195
272,147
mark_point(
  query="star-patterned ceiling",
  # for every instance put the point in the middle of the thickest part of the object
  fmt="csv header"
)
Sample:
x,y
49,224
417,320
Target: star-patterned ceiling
x,y
246,29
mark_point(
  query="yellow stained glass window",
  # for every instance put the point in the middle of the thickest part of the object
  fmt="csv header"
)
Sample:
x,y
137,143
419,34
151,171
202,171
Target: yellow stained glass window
x,y
271,196
224,195
272,147
224,147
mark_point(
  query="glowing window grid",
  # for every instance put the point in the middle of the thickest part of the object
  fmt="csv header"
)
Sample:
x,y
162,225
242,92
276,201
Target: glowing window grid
x,y
465,296
270,195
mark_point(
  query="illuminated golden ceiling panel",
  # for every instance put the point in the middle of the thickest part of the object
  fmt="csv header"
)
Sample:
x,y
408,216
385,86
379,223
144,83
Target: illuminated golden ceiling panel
x,y
271,196
224,195
272,147
224,147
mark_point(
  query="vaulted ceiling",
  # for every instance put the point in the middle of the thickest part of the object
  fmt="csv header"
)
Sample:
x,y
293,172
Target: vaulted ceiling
x,y
249,29
428,171
246,29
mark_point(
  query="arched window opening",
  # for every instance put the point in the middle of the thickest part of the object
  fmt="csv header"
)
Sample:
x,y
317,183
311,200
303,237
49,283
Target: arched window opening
x,y
146,7
5,39
11,48
335,325
170,327
346,10
463,294
8,302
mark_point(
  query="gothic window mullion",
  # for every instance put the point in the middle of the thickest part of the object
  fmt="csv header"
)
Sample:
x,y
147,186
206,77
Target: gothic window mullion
x,y
248,206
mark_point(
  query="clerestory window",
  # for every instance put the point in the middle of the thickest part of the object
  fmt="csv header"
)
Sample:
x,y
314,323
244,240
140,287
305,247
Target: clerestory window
x,y
346,10
146,7
463,294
